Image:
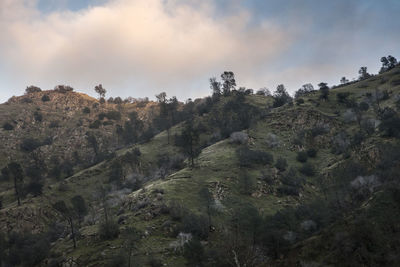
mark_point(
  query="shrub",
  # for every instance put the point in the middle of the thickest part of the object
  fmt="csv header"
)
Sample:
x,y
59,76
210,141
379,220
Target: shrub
x,y
312,152
249,157
319,129
299,101
38,116
95,125
113,115
239,138
32,89
281,164
307,169
272,140
302,156
363,106
86,110
63,89
246,184
108,230
45,98
342,97
54,124
8,126
35,188
194,252
197,225
26,100
288,190
29,144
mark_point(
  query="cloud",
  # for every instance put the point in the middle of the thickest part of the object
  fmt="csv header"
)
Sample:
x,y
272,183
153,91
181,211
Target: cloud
x,y
133,47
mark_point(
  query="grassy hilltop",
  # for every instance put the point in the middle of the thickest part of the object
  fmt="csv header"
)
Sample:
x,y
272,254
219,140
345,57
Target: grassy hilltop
x,y
236,179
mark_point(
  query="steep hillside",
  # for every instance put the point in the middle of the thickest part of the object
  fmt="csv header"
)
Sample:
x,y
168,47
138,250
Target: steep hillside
x,y
236,182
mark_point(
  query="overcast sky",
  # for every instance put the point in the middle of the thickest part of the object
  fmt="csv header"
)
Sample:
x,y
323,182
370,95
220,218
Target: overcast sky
x,y
141,47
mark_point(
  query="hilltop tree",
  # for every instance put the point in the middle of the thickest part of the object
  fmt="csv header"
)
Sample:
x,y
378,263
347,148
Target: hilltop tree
x,y
344,80
388,63
100,90
304,90
215,87
363,73
229,82
324,90
32,89
15,170
281,96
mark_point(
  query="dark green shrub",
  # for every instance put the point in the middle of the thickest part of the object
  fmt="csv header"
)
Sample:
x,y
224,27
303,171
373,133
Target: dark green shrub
x,y
193,252
249,157
197,225
29,144
26,100
307,169
45,98
302,156
299,101
54,124
86,110
35,188
113,115
8,126
342,97
281,164
32,89
363,106
108,230
95,125
38,116
312,152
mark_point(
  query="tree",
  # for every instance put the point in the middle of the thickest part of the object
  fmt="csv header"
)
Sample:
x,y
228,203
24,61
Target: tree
x,y
100,90
68,215
304,90
79,207
17,173
92,141
343,80
388,63
189,141
215,87
208,200
281,96
229,82
32,89
363,73
324,90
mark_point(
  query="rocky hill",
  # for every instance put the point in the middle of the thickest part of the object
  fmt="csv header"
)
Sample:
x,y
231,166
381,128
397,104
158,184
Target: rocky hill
x,y
237,180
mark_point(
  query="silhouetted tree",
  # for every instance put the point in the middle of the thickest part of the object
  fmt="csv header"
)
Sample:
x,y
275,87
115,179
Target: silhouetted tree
x,y
363,73
343,80
100,90
304,90
32,89
324,90
68,215
189,141
281,96
229,82
215,87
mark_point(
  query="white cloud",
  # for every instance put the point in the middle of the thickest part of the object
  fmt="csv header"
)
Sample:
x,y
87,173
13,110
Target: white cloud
x,y
146,44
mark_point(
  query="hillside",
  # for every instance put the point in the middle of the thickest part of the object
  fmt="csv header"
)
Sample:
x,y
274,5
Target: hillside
x,y
228,180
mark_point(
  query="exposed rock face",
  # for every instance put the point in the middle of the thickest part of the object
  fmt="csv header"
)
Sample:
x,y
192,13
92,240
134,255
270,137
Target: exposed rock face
x,y
60,124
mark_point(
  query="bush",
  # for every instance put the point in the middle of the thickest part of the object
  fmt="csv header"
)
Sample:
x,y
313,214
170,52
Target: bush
x,y
95,125
281,164
8,126
86,110
108,230
54,124
302,156
342,97
239,138
299,101
45,98
32,89
307,169
113,115
26,100
29,144
249,157
38,116
288,190
272,140
63,89
312,152
193,252
35,188
363,106
197,225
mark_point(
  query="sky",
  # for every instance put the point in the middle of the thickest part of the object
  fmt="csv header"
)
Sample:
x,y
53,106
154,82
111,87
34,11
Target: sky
x,y
139,48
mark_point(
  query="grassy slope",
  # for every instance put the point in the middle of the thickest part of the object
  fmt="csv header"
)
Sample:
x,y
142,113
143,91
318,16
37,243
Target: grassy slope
x,y
217,164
